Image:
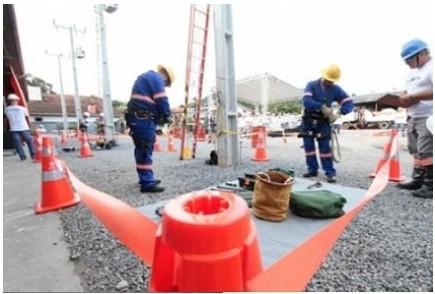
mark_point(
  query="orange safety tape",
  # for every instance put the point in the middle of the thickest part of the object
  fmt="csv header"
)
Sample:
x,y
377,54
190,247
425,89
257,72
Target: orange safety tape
x,y
304,261
132,228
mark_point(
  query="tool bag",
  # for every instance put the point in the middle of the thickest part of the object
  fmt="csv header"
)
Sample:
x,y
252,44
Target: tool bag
x,y
272,195
317,204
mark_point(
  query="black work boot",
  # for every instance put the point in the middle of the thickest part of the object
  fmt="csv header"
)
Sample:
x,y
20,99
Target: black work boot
x,y
418,175
331,179
152,189
426,191
309,174
156,183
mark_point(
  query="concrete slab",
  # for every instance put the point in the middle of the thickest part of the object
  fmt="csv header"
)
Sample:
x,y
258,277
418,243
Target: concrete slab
x,y
35,257
278,239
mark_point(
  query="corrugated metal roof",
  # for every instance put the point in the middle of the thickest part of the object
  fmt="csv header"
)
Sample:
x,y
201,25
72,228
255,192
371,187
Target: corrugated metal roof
x,y
250,89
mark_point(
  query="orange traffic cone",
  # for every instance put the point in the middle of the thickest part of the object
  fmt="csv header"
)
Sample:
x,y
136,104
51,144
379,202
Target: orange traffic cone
x,y
63,138
157,147
37,140
56,190
260,153
395,172
171,147
85,149
200,134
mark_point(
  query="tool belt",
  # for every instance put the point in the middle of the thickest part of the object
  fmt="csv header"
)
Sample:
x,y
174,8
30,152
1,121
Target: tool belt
x,y
138,112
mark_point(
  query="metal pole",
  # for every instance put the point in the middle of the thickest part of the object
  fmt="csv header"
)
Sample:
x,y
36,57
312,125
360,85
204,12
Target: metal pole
x,y
228,141
107,99
62,97
76,87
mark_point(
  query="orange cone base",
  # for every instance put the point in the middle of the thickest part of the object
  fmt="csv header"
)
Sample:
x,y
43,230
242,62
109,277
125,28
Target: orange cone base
x,y
39,209
260,155
394,171
86,155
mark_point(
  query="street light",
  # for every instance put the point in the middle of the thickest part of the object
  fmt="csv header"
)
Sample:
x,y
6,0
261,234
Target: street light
x,y
107,99
62,97
77,102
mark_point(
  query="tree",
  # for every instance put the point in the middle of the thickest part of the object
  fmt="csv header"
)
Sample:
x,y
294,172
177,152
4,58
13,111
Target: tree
x,y
289,106
46,88
120,105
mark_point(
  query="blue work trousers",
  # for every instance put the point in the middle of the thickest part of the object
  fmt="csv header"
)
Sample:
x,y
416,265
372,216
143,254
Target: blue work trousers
x,y
321,131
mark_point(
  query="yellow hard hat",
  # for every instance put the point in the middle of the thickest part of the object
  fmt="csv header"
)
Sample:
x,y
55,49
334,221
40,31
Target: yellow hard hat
x,y
331,73
169,72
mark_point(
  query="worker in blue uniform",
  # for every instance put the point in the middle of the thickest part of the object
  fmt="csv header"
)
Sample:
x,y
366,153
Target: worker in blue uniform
x,y
317,118
148,107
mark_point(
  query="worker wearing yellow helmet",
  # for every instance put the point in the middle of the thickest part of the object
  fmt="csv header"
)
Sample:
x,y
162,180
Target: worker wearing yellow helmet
x,y
319,95
148,107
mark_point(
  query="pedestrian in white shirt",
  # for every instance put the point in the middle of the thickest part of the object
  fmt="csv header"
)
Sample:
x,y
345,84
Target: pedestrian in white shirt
x,y
19,127
419,97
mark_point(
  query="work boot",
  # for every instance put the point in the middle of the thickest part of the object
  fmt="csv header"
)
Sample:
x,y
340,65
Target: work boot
x,y
309,174
156,183
331,179
417,180
152,189
426,191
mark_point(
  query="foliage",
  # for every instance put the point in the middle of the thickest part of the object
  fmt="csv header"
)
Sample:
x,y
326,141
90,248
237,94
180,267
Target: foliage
x,y
46,88
288,106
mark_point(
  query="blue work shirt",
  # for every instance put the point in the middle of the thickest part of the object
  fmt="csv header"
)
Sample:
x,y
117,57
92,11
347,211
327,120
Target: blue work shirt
x,y
148,93
315,95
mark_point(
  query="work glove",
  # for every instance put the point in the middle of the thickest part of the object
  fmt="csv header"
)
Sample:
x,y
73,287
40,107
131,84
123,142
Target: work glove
x,y
326,111
334,117
163,120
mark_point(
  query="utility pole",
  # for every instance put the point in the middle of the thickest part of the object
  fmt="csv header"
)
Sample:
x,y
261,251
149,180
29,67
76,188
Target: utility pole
x,y
107,99
62,97
228,142
72,29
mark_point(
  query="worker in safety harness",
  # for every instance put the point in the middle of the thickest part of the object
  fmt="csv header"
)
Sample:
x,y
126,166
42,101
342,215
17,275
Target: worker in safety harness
x,y
318,117
419,97
148,107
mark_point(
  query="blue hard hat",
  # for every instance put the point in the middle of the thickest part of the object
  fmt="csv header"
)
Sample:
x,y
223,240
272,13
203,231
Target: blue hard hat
x,y
412,48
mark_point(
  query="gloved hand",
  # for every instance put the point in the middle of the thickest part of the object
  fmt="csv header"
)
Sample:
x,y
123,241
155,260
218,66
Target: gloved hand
x,y
334,117
326,111
163,120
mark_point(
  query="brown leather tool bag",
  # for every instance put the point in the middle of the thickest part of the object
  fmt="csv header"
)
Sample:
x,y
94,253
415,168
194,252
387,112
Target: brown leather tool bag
x,y
272,196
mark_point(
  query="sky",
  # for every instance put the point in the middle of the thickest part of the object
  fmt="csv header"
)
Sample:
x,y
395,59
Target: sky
x,y
292,40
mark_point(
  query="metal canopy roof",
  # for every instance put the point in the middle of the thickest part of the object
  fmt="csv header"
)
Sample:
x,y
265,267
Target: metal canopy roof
x,y
250,89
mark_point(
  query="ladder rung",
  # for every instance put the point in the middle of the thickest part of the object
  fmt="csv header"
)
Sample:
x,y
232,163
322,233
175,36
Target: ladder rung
x,y
200,28
199,43
201,11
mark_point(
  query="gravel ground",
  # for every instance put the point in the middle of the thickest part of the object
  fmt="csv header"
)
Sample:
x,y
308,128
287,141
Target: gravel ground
x,y
388,246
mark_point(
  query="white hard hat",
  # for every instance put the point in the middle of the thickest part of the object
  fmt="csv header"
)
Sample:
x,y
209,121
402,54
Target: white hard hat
x,y
12,96
86,113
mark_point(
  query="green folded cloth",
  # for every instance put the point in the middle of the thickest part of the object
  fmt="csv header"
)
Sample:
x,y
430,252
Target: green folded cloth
x,y
288,172
317,204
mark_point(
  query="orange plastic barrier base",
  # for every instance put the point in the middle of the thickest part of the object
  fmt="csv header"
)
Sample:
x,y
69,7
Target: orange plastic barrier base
x,y
206,243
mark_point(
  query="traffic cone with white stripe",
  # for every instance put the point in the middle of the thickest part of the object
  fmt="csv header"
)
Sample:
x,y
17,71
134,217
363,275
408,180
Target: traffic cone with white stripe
x,y
157,147
56,190
260,153
171,147
85,149
395,173
37,143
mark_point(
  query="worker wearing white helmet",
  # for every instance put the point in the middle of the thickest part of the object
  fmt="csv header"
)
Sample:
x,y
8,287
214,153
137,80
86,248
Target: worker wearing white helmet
x,y
418,98
148,107
19,127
